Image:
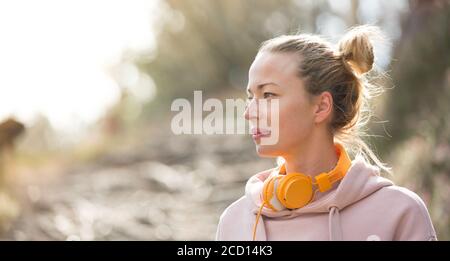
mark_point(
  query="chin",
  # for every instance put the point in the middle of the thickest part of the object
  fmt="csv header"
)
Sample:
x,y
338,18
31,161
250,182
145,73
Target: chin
x,y
267,151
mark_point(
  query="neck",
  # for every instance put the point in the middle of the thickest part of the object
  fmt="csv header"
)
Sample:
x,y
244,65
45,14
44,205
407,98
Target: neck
x,y
313,158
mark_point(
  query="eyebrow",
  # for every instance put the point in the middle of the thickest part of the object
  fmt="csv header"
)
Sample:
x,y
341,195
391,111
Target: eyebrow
x,y
260,86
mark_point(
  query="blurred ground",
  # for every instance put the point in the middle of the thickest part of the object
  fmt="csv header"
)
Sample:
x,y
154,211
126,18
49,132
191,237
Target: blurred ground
x,y
168,188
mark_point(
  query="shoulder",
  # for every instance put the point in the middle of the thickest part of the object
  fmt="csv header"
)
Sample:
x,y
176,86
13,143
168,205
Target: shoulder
x,y
234,207
404,198
240,210
230,219
244,202
414,222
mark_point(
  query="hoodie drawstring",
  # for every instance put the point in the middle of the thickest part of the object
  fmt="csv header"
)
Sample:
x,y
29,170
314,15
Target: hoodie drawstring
x,y
334,224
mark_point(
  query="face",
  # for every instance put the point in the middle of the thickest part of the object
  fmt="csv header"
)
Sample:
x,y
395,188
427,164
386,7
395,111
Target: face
x,y
273,76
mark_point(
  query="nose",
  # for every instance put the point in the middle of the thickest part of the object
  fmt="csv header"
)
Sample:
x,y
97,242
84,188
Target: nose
x,y
251,111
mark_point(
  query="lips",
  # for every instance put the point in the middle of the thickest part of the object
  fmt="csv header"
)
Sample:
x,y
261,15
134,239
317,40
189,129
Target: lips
x,y
259,133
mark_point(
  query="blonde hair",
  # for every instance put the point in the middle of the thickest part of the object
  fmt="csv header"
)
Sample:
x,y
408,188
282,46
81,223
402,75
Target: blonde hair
x,y
342,71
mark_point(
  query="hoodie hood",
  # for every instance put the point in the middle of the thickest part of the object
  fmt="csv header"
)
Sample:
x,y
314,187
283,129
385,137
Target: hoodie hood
x,y
362,179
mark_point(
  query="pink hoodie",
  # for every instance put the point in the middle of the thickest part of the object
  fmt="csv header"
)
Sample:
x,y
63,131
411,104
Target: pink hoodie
x,y
363,206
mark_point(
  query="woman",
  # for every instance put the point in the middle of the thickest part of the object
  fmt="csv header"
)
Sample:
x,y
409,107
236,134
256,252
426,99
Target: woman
x,y
318,193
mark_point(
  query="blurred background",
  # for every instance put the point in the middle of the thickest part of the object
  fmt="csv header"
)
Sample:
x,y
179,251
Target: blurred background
x,y
86,149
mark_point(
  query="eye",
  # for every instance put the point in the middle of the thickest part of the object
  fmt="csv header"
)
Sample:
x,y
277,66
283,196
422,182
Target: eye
x,y
269,94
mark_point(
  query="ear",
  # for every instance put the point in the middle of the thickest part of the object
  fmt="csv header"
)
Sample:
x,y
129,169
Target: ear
x,y
324,107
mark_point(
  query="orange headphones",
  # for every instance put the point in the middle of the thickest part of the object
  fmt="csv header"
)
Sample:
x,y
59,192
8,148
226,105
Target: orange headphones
x,y
295,190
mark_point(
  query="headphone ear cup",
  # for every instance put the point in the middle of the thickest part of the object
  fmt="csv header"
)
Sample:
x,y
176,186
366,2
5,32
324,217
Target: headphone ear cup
x,y
295,190
270,193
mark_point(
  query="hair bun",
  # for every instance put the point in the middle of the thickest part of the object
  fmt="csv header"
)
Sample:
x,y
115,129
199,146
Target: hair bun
x,y
356,47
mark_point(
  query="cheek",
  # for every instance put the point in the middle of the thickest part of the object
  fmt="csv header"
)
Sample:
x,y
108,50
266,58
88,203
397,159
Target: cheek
x,y
296,122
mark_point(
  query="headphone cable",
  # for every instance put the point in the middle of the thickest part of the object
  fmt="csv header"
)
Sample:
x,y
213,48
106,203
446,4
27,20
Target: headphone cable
x,y
257,219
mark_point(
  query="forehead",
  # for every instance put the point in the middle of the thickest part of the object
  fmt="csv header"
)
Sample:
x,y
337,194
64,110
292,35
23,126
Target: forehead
x,y
269,66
